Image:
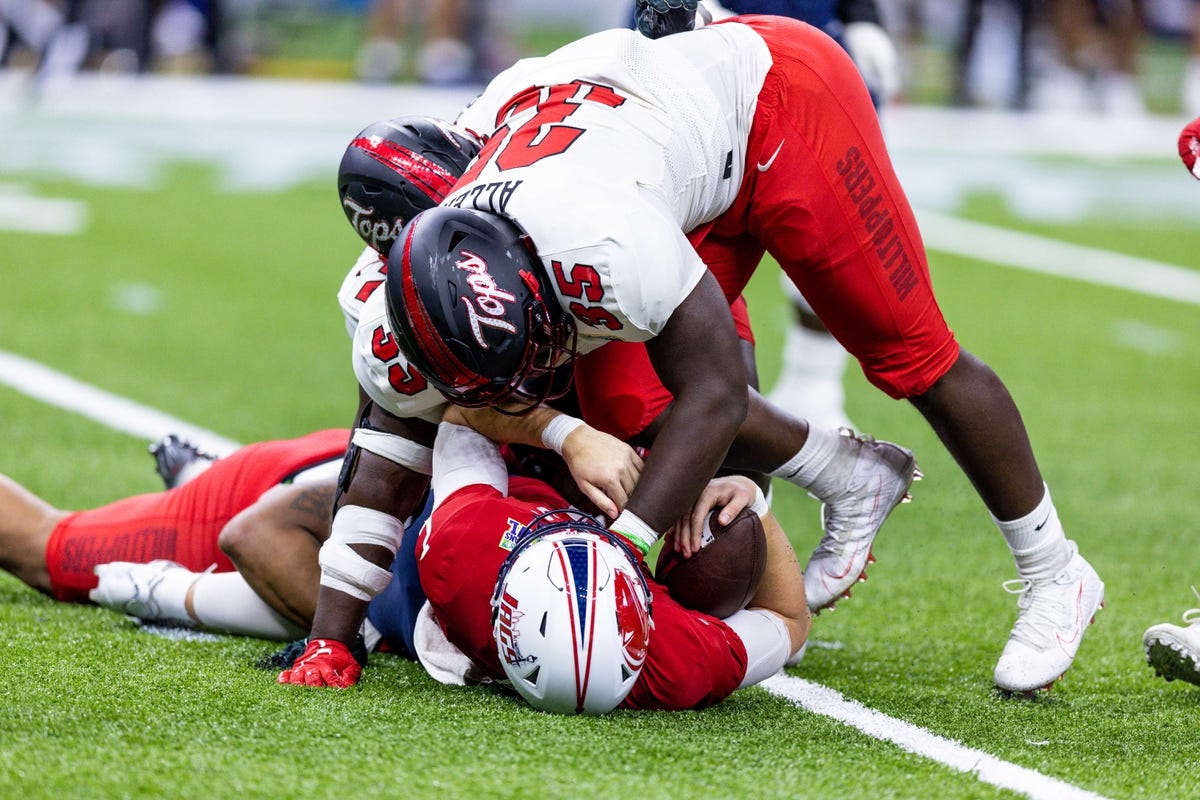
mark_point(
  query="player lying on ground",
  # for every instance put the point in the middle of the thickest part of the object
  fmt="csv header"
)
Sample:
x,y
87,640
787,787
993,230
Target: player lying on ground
x,y
263,509
578,638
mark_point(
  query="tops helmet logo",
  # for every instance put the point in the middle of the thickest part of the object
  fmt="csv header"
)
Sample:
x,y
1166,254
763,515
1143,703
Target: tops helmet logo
x,y
490,299
395,169
372,229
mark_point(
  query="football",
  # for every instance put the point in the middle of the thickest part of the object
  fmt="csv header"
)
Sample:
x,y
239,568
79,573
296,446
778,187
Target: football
x,y
722,577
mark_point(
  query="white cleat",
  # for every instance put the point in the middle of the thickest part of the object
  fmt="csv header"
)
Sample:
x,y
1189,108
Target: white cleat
x,y
1174,650
1050,623
877,476
128,588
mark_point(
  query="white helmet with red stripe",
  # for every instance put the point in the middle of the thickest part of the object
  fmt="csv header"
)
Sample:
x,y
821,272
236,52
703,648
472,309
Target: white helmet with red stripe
x,y
571,616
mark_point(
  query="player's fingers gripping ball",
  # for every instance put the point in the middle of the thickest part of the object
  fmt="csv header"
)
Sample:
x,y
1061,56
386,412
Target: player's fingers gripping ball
x,y
722,577
325,662
1189,146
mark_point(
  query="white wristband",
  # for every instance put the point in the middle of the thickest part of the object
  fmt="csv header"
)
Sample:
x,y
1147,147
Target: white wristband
x,y
557,431
634,528
760,505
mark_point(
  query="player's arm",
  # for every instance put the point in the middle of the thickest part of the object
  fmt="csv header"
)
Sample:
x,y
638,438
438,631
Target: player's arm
x,y
697,356
383,482
605,468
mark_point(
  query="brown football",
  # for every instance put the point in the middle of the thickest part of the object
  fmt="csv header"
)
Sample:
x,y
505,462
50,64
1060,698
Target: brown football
x,y
722,577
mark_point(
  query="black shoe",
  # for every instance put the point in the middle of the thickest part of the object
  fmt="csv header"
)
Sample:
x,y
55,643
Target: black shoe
x,y
173,457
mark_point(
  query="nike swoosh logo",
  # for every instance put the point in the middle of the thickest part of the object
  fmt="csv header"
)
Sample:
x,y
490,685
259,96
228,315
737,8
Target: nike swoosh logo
x,y
1077,627
1043,524
764,166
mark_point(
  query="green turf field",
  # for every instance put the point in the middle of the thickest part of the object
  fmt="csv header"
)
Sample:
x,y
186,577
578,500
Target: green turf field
x,y
218,307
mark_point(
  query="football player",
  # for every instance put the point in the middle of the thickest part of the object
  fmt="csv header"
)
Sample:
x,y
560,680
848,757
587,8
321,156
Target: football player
x,y
489,600
1174,650
172,555
582,211
860,480
813,363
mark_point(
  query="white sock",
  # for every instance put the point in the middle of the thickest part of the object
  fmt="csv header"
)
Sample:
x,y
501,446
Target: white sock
x,y
224,601
813,354
1037,540
171,595
803,468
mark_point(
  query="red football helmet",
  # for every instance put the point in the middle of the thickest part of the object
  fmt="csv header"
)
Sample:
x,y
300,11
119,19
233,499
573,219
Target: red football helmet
x,y
571,615
470,307
395,169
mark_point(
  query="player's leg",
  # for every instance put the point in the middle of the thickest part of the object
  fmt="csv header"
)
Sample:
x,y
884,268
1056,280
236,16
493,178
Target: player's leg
x,y
25,524
163,591
813,367
275,543
838,221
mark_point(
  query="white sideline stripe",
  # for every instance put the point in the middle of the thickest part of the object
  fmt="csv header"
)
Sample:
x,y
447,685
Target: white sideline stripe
x,y
828,703
56,389
1051,257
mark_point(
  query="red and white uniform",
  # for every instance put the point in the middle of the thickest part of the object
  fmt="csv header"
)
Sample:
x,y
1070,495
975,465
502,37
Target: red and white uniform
x,y
183,524
749,135
693,660
382,370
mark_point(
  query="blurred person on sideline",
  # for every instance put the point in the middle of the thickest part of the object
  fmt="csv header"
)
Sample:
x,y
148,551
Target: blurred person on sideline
x,y
450,42
1174,650
1094,66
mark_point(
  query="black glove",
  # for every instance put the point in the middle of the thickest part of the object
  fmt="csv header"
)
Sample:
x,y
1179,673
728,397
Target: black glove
x,y
659,18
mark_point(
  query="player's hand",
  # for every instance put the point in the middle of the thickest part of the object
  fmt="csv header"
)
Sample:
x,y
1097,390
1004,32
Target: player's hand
x,y
326,662
875,55
605,468
659,18
1189,146
730,493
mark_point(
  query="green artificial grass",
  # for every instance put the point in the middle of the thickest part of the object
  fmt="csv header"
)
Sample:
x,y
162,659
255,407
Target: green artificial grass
x,y
245,338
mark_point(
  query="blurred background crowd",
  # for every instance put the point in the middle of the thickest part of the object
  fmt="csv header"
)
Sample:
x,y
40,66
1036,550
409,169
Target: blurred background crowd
x,y
1107,56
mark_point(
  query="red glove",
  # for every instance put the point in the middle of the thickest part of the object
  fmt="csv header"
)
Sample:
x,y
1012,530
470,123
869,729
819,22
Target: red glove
x,y
1189,146
325,662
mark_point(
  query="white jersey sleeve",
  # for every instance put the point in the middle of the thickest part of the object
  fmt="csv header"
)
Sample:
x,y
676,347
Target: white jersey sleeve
x,y
368,274
463,457
642,264
384,373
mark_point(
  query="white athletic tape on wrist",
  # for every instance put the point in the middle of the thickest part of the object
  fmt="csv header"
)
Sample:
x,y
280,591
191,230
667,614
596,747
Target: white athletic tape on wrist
x,y
345,570
396,449
556,433
633,528
760,505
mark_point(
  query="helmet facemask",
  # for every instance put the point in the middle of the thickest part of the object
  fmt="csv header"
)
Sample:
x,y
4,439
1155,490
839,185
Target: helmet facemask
x,y
455,278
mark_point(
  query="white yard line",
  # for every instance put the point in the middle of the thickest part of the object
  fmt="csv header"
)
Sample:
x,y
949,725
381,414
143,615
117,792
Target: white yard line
x,y
1026,251
56,389
822,700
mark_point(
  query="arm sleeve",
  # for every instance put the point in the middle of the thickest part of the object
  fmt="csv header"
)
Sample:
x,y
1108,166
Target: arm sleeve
x,y
462,457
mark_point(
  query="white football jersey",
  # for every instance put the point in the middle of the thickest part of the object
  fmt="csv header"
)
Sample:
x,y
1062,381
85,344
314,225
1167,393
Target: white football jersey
x,y
606,152
381,369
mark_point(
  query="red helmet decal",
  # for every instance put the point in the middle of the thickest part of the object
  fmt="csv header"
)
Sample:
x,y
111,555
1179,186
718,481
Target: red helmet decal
x,y
632,620
431,178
